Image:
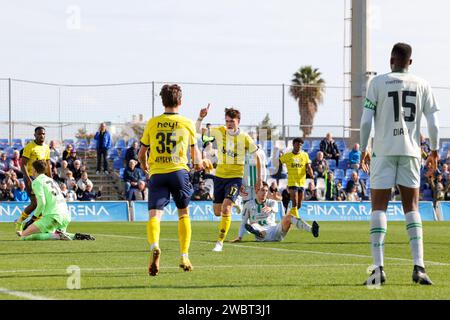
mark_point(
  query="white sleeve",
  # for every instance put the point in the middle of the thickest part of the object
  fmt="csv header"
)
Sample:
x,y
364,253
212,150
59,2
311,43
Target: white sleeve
x,y
198,126
365,128
433,129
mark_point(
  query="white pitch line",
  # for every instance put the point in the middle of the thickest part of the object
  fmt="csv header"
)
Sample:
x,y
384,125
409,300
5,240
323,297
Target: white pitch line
x,y
24,295
287,250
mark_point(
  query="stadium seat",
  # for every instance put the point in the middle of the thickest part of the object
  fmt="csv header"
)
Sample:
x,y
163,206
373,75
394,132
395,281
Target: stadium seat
x,y
343,164
113,154
92,145
9,151
120,144
427,195
68,141
363,175
121,171
339,174
344,182
345,154
17,144
130,142
4,143
312,154
306,146
331,164
117,164
446,145
315,145
81,144
348,173
341,145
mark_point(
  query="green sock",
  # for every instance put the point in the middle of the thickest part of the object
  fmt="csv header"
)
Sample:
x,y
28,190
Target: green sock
x,y
41,236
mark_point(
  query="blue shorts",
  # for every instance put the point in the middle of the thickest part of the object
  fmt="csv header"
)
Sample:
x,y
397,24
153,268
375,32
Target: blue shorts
x,y
161,186
297,189
226,188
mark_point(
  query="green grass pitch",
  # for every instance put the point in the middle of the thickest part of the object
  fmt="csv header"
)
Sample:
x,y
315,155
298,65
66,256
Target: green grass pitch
x,y
114,266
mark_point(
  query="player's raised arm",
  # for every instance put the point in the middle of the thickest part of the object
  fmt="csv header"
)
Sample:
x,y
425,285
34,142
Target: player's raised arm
x,y
203,113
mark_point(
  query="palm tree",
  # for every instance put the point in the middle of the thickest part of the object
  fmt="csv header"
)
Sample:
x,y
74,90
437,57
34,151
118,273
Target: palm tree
x,y
308,89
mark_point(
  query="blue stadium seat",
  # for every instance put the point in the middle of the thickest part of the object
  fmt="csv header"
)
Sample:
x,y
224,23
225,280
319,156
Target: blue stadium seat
x,y
122,170
130,142
364,176
312,154
315,145
92,145
428,195
117,164
331,164
344,182
120,144
345,154
113,154
348,173
17,144
4,143
306,146
343,164
445,145
81,144
68,141
9,152
339,174
341,145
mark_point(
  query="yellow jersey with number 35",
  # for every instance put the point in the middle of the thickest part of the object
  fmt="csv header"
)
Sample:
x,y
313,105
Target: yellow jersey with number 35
x,y
33,152
296,167
168,137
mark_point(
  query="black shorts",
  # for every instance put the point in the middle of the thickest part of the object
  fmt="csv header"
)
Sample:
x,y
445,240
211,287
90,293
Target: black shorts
x,y
226,188
161,186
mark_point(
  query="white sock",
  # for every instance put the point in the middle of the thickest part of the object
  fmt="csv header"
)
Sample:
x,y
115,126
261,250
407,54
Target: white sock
x,y
300,224
415,233
185,255
154,245
378,229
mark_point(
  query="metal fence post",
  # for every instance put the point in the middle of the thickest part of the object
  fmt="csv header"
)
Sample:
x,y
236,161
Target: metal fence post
x,y
153,99
282,112
10,112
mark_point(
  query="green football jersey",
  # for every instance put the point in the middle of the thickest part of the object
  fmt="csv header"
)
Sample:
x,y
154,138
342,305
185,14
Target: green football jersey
x,y
50,200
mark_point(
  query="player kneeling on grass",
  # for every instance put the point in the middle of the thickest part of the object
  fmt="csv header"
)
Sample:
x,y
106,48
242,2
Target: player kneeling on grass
x,y
259,219
53,208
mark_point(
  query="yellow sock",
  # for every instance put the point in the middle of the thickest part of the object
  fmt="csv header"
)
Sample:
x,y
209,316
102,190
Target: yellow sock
x,y
184,233
153,230
224,226
24,216
294,212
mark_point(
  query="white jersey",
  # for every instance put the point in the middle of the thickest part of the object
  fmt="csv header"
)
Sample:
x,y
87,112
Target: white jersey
x,y
252,214
399,99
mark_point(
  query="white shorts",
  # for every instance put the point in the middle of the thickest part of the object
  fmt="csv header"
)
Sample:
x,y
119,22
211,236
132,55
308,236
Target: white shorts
x,y
388,171
273,233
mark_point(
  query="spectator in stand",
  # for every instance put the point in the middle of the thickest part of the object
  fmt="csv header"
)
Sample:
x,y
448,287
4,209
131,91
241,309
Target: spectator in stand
x,y
68,195
310,192
352,195
201,193
14,163
319,165
54,154
358,184
62,171
330,149
76,169
72,158
274,193
330,188
341,195
445,173
4,165
11,180
354,157
83,182
447,191
279,171
132,154
438,187
66,152
104,143
89,194
141,193
424,147
131,177
70,182
210,153
20,193
5,193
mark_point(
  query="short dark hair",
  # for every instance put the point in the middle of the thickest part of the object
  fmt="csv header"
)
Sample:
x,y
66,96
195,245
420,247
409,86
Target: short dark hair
x,y
298,140
39,166
233,113
38,128
265,184
171,95
402,52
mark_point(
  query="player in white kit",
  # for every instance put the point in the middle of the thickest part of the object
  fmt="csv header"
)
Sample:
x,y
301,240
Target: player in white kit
x,y
396,102
258,218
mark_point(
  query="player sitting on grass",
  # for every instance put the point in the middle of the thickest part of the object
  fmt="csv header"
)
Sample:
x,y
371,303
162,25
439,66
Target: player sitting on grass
x,y
52,206
258,218
297,162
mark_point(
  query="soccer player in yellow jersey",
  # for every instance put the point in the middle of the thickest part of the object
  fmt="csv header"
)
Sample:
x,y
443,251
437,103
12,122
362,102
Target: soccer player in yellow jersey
x,y
34,150
297,163
233,145
163,156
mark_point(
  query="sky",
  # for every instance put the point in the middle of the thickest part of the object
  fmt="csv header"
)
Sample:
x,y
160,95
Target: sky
x,y
199,41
